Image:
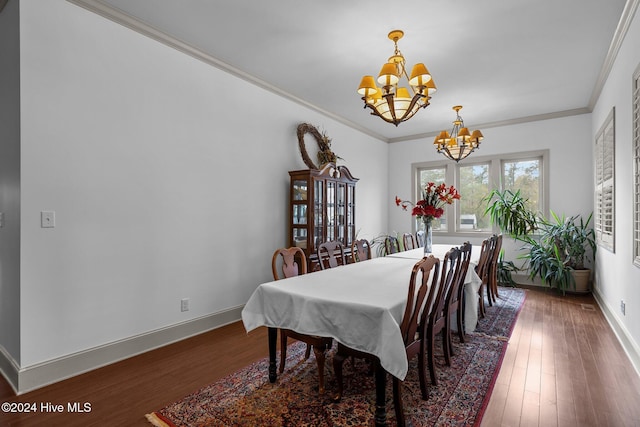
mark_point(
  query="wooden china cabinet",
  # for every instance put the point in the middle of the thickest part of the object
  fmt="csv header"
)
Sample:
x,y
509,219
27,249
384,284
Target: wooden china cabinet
x,y
322,205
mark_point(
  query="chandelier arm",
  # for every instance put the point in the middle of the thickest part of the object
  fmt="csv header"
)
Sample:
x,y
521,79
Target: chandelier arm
x,y
411,111
392,110
375,112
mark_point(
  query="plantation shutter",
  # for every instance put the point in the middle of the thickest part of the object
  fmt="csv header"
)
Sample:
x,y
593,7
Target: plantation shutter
x,y
605,183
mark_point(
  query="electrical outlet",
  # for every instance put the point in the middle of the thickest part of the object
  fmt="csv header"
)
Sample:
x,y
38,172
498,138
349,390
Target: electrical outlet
x,y
184,304
622,307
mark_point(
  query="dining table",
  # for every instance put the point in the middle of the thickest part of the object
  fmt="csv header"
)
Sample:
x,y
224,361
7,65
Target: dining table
x,y
359,305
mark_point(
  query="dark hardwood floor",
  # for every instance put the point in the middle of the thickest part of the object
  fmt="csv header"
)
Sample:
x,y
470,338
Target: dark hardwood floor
x,y
563,367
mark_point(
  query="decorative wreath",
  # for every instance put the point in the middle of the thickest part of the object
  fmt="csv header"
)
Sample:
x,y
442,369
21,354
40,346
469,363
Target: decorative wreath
x,y
325,155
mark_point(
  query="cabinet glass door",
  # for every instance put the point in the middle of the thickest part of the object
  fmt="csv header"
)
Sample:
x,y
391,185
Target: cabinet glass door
x,y
331,210
351,214
341,212
299,213
318,205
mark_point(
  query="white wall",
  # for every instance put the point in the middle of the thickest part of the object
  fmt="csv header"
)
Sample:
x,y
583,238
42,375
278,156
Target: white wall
x,y
10,184
568,140
168,178
618,278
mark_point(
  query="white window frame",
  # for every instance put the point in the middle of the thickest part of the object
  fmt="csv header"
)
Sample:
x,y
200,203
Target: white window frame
x,y
605,187
452,177
635,111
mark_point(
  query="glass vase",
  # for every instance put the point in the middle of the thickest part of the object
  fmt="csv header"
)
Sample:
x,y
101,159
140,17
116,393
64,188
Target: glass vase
x,y
428,242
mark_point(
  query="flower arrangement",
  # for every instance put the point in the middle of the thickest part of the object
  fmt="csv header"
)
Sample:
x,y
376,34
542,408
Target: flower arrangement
x,y
434,198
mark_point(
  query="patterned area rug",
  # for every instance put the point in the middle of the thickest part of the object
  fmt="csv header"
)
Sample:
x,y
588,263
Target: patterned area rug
x,y
246,398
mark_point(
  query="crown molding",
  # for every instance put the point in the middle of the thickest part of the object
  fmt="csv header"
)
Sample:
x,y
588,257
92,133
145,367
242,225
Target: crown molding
x,y
502,123
626,18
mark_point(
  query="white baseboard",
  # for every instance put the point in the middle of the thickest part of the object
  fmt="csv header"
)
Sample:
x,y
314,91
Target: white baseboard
x,y
628,344
9,368
23,380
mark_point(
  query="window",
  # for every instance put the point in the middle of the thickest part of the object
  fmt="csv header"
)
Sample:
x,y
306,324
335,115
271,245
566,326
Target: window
x,y
524,175
605,184
475,180
437,175
636,167
473,188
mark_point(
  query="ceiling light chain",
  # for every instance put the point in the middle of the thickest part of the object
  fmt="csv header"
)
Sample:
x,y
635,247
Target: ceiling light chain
x,y
460,143
393,103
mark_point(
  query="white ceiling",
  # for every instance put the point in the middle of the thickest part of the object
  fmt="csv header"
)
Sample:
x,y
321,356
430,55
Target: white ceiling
x,y
502,60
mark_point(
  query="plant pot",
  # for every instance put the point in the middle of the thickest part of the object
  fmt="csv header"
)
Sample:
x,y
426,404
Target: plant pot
x,y
582,279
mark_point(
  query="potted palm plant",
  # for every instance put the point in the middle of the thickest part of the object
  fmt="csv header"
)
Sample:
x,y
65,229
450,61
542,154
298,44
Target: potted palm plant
x,y
558,254
508,210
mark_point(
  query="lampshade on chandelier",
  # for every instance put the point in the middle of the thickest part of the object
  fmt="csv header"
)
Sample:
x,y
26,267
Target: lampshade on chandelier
x,y
458,144
394,103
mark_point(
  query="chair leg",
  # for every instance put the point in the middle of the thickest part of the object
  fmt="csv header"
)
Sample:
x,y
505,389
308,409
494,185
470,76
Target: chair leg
x,y
283,350
397,402
446,333
430,360
338,360
447,330
460,318
307,352
422,374
481,312
320,359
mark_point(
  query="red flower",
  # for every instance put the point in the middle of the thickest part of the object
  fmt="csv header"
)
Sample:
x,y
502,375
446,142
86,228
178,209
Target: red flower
x,y
434,197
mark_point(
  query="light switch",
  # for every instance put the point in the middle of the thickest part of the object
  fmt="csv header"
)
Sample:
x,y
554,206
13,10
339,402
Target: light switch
x,y
47,219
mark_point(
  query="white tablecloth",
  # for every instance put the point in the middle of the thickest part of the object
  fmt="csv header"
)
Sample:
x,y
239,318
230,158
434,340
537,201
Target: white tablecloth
x,y
360,305
472,281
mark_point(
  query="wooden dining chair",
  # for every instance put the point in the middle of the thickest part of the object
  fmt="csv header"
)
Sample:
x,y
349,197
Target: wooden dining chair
x,y
482,270
490,274
360,250
391,245
411,329
455,298
493,273
436,322
421,238
409,241
291,267
331,254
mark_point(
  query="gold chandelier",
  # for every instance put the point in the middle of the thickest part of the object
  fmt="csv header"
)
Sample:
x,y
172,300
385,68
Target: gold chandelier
x,y
394,103
458,144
